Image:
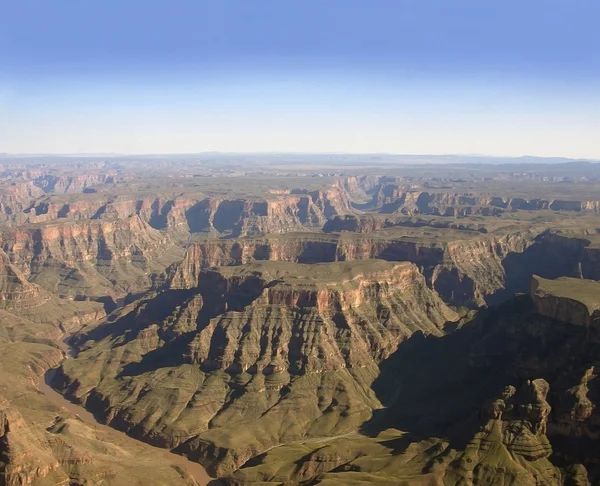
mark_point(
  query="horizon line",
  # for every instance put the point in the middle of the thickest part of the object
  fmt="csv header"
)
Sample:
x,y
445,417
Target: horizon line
x,y
315,153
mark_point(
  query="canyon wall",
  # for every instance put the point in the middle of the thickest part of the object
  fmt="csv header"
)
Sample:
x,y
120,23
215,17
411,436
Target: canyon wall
x,y
89,259
571,300
284,331
475,271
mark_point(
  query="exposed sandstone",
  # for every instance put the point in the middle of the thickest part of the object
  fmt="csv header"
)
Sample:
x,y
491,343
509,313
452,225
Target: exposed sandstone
x,y
15,290
392,197
512,443
89,259
571,300
465,270
64,184
14,199
283,331
337,307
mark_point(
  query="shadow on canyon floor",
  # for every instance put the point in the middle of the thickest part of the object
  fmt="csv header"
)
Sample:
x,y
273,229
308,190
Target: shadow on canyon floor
x,y
437,386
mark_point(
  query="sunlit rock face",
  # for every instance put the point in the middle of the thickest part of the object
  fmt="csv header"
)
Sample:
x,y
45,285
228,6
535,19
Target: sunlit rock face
x,y
249,345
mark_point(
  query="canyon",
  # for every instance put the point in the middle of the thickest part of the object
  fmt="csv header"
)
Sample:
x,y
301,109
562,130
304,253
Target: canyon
x,y
276,325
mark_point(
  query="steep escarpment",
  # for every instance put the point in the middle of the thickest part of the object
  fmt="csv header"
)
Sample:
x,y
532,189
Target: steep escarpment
x,y
44,444
304,248
465,267
292,247
509,447
405,198
550,359
590,261
27,310
65,184
475,270
359,187
296,211
241,217
342,296
15,290
368,223
249,349
183,214
528,416
512,442
40,443
572,300
159,212
89,259
15,198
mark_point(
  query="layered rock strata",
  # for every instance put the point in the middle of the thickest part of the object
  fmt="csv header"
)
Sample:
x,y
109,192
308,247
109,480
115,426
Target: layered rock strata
x,y
395,198
89,259
465,268
253,348
529,414
572,300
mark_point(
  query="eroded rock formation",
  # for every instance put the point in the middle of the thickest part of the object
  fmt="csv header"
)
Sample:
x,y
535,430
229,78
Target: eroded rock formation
x,y
259,335
465,268
89,259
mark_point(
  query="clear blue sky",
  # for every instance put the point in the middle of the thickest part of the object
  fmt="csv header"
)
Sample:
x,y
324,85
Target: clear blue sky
x,y
404,76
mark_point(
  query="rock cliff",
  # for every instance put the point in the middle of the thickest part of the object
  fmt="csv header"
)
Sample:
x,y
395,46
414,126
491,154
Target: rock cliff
x,y
15,198
65,184
194,213
89,259
252,347
44,444
394,197
572,300
465,267
512,444
434,430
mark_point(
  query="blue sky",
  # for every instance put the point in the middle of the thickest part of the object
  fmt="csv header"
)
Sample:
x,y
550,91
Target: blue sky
x,y
401,76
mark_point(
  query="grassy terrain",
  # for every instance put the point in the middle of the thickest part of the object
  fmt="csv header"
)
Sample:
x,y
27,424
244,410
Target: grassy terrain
x,y
581,290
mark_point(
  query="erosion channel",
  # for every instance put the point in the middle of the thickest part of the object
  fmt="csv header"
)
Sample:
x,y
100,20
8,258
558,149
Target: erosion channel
x,y
193,468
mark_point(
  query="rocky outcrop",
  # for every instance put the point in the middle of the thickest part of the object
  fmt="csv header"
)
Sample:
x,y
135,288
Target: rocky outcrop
x,y
293,210
15,197
402,198
26,310
369,223
158,211
435,430
296,211
25,456
512,444
590,262
358,187
67,184
571,300
248,347
334,302
89,259
473,270
476,268
16,292
293,247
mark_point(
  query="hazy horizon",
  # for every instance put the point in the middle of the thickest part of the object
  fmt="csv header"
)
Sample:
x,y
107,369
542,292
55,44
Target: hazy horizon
x,y
268,152
395,77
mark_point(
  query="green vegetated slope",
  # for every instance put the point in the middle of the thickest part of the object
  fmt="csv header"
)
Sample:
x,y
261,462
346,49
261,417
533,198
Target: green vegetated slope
x,y
254,356
317,340
345,373
507,398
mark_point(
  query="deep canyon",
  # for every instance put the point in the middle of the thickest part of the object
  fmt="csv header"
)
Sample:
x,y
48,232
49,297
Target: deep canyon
x,y
401,324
